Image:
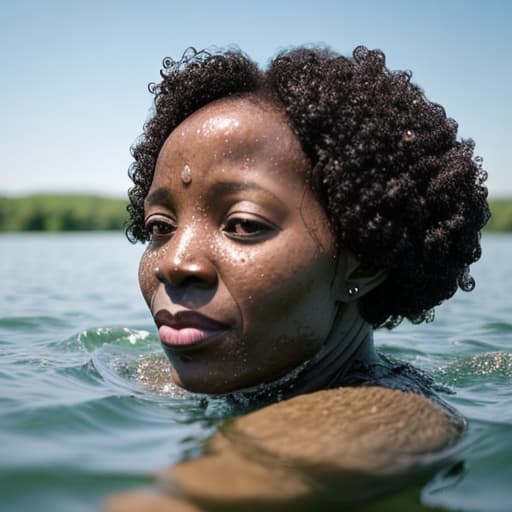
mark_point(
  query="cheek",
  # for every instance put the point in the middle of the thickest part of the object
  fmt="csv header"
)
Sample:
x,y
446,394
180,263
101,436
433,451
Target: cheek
x,y
300,290
146,274
273,282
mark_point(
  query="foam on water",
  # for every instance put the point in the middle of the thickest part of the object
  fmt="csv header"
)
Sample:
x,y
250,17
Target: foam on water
x,y
489,367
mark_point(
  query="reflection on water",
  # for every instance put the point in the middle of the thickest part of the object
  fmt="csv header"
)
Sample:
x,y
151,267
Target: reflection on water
x,y
86,408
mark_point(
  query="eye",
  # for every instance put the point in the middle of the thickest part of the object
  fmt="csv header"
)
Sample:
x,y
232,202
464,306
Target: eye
x,y
160,227
248,229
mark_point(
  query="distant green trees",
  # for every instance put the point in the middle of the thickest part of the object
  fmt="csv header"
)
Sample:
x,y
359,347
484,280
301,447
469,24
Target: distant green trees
x,y
52,212
501,219
62,213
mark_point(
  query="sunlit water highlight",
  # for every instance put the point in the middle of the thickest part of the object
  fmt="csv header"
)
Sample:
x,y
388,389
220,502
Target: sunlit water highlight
x,y
86,407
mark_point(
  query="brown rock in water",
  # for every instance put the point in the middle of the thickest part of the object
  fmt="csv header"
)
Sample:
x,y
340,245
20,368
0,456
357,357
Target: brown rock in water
x,y
329,447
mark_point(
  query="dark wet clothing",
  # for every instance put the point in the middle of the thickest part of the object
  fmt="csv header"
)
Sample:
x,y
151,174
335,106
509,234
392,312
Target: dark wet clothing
x,y
392,374
395,374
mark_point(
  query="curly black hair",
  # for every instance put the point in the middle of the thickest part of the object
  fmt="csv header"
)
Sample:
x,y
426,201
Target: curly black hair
x,y
401,192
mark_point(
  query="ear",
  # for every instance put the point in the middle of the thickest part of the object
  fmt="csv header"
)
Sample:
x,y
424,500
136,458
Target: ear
x,y
350,284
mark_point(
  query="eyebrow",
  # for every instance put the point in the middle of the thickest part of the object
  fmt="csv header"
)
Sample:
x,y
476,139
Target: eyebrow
x,y
162,195
159,196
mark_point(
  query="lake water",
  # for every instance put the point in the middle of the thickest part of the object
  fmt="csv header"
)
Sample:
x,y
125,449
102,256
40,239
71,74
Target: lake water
x,y
79,418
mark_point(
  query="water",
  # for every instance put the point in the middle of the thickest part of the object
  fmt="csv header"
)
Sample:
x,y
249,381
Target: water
x,y
86,410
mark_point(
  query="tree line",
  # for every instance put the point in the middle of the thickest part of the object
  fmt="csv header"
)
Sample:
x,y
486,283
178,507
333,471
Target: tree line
x,y
53,212
501,215
49,212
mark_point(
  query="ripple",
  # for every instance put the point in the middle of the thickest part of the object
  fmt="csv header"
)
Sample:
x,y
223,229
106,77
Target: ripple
x,y
31,322
498,327
91,339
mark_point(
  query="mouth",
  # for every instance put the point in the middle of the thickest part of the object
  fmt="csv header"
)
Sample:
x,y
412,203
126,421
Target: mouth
x,y
187,329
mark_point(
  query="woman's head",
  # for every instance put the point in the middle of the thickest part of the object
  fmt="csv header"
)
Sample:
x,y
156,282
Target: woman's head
x,y
396,188
240,275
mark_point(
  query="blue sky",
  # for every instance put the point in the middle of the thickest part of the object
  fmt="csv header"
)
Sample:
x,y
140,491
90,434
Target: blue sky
x,y
73,75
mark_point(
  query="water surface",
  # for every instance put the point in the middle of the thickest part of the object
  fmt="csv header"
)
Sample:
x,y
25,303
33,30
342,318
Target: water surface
x,y
86,408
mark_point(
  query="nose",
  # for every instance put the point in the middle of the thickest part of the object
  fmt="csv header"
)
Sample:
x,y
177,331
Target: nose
x,y
187,262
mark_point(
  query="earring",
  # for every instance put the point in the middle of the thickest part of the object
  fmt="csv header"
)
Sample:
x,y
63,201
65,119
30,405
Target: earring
x,y
353,291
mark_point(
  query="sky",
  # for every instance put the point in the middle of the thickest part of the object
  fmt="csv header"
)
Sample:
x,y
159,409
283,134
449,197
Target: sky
x,y
74,74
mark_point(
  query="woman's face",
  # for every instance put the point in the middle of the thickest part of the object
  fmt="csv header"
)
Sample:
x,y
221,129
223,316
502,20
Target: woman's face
x,y
239,271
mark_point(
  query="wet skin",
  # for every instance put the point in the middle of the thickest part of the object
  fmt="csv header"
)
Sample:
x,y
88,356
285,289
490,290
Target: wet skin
x,y
240,273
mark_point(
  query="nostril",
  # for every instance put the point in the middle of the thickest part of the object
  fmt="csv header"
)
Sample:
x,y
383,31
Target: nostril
x,y
194,281
193,273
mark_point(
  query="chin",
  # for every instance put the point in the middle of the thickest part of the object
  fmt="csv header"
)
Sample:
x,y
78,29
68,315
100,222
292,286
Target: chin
x,y
213,385
217,384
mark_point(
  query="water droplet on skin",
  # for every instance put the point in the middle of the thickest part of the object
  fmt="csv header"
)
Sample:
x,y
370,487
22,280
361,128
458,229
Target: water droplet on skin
x,y
186,175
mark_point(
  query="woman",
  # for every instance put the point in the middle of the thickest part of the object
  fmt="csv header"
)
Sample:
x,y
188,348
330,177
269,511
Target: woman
x,y
290,212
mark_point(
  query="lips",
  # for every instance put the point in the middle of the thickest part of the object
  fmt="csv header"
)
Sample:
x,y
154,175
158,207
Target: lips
x,y
186,329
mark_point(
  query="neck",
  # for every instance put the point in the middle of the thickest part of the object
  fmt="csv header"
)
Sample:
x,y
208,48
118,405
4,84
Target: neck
x,y
350,339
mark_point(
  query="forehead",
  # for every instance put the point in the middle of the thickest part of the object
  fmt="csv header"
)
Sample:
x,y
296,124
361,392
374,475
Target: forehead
x,y
235,129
